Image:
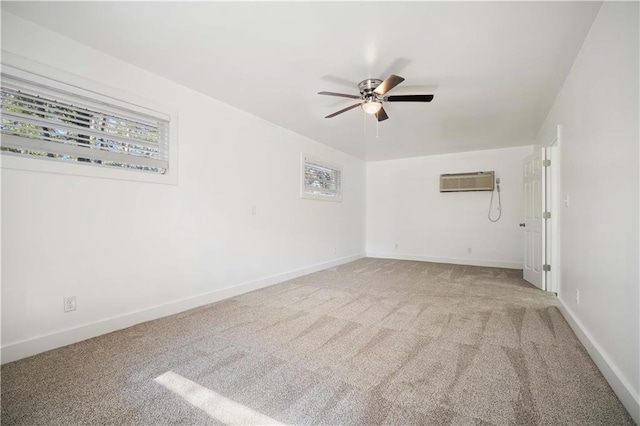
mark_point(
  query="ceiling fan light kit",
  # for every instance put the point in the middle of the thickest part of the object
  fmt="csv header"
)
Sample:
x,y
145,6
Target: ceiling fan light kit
x,y
371,106
372,95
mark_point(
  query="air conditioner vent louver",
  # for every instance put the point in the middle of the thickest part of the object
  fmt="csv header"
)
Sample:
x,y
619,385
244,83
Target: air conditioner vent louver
x,y
476,181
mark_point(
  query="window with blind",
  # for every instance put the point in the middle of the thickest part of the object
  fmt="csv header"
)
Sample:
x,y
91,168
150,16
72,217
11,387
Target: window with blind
x,y
47,122
321,181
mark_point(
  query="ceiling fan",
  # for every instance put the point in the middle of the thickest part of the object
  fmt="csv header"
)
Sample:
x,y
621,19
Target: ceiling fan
x,y
372,95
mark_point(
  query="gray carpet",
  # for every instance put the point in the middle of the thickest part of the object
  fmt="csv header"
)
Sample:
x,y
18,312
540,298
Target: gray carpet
x,y
371,342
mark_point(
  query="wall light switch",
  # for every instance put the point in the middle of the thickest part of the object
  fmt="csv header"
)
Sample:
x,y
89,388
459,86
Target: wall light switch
x,y
566,201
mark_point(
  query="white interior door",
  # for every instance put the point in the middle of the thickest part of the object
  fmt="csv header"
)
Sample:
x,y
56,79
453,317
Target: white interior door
x,y
533,220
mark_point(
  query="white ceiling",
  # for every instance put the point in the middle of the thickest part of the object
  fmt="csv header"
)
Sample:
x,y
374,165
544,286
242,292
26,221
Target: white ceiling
x,y
494,67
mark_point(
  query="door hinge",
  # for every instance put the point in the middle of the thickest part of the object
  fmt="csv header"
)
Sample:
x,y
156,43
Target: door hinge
x,y
546,215
546,163
546,267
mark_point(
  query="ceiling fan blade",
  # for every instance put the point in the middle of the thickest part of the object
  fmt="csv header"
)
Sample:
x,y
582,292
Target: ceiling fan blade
x,y
342,95
381,115
409,98
391,82
343,110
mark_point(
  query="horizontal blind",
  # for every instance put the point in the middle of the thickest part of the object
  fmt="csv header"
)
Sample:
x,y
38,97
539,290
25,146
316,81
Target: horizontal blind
x,y
47,122
321,179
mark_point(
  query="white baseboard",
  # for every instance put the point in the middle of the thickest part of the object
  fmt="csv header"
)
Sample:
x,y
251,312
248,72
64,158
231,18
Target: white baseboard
x,y
25,348
456,261
620,385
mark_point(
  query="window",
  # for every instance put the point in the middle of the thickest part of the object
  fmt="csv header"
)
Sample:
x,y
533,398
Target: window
x,y
321,181
64,123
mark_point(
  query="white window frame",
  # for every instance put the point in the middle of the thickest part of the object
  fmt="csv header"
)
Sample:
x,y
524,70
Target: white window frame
x,y
39,73
303,191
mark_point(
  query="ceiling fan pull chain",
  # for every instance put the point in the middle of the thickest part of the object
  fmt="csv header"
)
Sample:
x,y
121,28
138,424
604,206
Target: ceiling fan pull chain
x,y
364,123
377,127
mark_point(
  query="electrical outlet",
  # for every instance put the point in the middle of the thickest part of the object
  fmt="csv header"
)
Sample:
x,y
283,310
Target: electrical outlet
x,y
396,245
577,296
469,250
70,304
252,211
335,250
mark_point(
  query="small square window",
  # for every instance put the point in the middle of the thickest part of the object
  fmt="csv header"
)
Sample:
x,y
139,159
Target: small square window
x,y
321,181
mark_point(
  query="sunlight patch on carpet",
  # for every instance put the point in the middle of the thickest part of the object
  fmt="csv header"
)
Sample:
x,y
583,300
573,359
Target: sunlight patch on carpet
x,y
215,405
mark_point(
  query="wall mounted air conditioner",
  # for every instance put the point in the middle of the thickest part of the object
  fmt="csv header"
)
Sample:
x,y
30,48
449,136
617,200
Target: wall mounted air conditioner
x,y
476,181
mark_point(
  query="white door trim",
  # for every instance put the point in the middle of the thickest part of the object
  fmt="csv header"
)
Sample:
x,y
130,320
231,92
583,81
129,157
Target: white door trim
x,y
553,203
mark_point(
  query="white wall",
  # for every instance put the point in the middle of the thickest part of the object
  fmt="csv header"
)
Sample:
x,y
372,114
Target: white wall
x,y
405,207
124,246
598,110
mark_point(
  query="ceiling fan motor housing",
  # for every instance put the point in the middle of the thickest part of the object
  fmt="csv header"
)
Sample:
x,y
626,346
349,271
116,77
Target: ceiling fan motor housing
x,y
368,86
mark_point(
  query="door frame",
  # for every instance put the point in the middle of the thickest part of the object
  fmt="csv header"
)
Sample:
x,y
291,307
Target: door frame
x,y
552,204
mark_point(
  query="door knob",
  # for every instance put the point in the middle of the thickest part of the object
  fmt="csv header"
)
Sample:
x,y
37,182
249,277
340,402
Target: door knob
x,y
522,225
